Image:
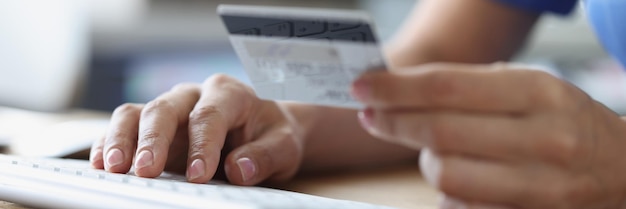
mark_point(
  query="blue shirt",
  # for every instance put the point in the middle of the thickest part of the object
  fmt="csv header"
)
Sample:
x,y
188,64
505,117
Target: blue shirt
x,y
606,16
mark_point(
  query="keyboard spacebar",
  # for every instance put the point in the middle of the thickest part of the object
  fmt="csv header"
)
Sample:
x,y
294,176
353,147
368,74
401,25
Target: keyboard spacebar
x,y
80,188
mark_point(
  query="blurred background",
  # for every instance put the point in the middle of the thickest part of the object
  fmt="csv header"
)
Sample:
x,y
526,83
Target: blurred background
x,y
59,56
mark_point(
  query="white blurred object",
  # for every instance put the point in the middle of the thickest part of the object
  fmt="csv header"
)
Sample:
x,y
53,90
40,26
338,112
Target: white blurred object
x,y
61,139
606,83
116,15
43,46
4,141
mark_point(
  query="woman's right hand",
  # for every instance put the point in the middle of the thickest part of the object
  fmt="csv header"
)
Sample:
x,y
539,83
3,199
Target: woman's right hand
x,y
187,129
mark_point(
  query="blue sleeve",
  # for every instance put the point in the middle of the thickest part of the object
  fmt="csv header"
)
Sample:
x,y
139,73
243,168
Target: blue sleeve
x,y
562,7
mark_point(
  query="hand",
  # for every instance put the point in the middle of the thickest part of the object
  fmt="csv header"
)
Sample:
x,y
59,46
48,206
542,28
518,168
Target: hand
x,y
501,136
187,129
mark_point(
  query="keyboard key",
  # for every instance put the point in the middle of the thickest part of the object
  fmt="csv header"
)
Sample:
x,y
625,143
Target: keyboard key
x,y
212,192
90,174
186,189
119,178
163,185
137,181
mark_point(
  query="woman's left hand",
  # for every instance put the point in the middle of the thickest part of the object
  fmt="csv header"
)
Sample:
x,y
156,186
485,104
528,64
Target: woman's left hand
x,y
495,135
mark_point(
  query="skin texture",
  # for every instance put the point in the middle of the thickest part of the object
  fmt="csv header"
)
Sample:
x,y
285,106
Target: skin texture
x,y
501,135
187,129
492,136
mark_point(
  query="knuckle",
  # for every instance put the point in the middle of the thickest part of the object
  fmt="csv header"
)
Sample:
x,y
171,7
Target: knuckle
x,y
150,136
562,149
204,113
184,87
219,78
118,138
127,108
551,91
159,105
198,147
118,135
229,84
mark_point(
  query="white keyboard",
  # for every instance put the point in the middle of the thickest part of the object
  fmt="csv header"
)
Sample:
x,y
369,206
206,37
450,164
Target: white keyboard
x,y
63,183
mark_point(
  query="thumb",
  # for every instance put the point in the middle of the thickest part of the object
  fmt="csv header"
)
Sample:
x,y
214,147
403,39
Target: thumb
x,y
274,157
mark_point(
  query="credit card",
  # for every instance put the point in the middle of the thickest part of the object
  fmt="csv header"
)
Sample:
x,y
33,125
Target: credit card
x,y
303,54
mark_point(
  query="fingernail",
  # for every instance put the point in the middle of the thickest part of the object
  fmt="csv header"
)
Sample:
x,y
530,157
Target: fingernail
x,y
366,117
360,90
144,159
95,156
247,168
114,157
196,169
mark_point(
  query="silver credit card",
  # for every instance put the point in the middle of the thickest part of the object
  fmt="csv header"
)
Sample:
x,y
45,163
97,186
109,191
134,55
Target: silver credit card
x,y
301,54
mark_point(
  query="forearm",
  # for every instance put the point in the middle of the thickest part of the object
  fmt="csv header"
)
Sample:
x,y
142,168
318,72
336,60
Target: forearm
x,y
469,31
333,139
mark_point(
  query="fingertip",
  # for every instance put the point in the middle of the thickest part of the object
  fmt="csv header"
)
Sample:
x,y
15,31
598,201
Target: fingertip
x,y
430,165
242,171
95,158
145,165
360,89
202,165
247,169
145,158
114,158
197,172
366,118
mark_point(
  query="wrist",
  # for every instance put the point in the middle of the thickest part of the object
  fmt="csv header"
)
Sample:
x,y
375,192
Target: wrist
x,y
300,117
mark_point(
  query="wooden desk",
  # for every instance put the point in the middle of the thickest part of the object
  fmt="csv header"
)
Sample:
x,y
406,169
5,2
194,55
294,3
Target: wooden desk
x,y
401,187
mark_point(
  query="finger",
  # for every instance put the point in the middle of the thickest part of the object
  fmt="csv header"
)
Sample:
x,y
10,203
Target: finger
x,y
474,180
121,138
465,87
469,179
159,122
95,155
492,136
225,103
501,137
274,157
